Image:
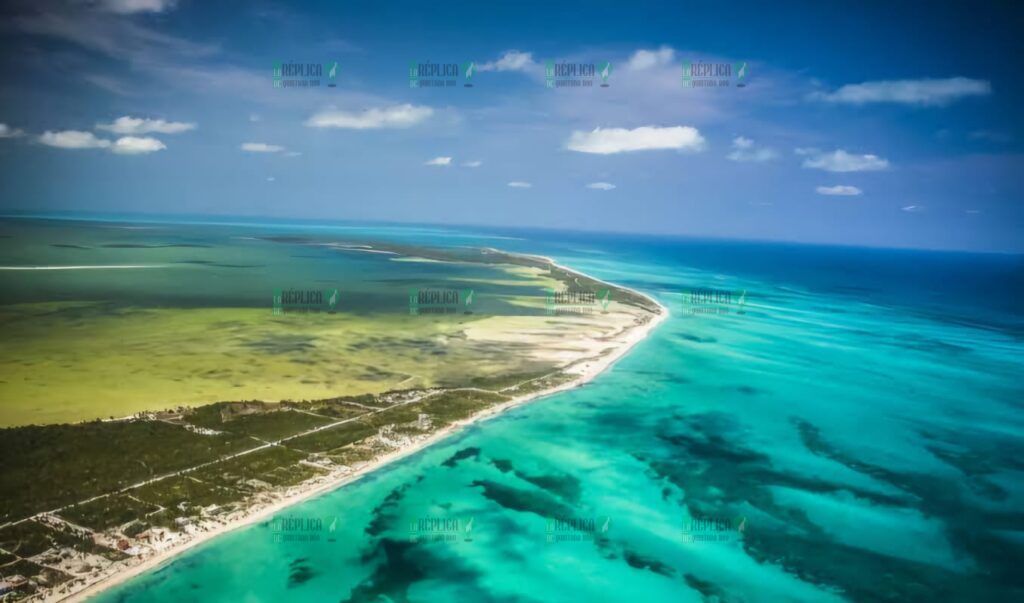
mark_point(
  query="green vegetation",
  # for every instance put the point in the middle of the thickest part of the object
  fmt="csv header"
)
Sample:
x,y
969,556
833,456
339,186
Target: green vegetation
x,y
267,422
443,408
209,472
336,408
43,575
49,467
276,466
108,512
335,437
570,280
536,385
46,467
31,538
26,539
185,494
350,455
499,382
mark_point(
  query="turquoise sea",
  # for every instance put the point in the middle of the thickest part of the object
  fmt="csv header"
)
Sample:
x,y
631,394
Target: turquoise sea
x,y
837,424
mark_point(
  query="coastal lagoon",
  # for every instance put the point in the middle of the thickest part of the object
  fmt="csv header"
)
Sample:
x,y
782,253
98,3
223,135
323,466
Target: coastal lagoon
x,y
810,424
113,319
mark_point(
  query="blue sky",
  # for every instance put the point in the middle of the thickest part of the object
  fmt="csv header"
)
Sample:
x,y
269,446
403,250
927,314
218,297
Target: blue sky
x,y
862,123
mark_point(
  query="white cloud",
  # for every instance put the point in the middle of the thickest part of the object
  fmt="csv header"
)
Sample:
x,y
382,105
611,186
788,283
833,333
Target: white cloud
x,y
261,147
743,149
125,7
912,208
841,161
473,164
9,132
924,92
841,190
645,59
512,60
621,140
76,139
439,161
399,116
972,211
132,145
138,125
518,184
601,186
254,117
270,178
292,154
73,139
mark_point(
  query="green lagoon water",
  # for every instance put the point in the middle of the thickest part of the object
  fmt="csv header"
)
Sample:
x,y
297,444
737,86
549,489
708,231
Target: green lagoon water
x,y
852,431
111,318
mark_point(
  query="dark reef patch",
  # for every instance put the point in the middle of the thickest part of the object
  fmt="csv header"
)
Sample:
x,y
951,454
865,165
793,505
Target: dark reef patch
x,y
383,514
526,501
638,561
709,590
502,465
697,338
299,572
461,455
564,486
400,565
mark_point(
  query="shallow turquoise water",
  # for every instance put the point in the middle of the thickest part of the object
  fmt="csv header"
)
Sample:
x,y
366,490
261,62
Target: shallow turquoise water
x,y
851,432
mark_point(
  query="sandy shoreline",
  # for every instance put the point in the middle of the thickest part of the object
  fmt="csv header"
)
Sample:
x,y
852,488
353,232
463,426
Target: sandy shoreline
x,y
585,370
